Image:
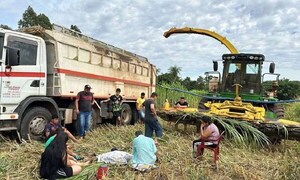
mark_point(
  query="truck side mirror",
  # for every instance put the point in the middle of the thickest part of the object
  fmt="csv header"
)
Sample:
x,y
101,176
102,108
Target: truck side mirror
x,y
272,68
12,56
215,65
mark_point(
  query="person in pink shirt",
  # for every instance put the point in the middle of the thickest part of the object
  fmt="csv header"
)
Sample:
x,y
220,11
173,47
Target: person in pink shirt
x,y
209,132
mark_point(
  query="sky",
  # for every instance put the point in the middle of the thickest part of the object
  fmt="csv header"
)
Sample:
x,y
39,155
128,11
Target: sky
x,y
269,27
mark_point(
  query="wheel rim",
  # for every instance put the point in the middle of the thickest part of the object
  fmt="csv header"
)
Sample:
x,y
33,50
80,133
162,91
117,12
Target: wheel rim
x,y
37,125
125,116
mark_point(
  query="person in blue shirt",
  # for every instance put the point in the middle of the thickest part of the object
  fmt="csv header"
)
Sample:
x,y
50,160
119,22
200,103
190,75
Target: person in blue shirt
x,y
144,150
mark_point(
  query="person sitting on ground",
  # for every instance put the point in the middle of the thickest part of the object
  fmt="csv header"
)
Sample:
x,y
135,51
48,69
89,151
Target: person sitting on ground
x,y
70,152
144,151
209,132
53,125
182,103
55,162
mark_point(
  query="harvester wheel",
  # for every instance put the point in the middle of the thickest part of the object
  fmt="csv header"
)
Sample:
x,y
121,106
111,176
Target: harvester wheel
x,y
278,110
201,105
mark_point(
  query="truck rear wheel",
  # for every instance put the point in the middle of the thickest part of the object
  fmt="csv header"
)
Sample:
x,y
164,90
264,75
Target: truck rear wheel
x,y
126,114
278,110
33,123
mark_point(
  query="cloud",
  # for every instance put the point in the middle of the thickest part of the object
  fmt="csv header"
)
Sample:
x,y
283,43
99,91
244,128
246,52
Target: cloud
x,y
269,27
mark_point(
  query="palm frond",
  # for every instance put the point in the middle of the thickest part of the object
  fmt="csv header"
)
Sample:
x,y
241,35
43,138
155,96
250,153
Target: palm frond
x,y
242,131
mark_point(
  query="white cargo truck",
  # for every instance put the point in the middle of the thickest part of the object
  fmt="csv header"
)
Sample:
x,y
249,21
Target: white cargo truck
x,y
43,70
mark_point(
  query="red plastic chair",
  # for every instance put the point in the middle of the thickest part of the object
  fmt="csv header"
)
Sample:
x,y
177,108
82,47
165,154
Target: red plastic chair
x,y
216,149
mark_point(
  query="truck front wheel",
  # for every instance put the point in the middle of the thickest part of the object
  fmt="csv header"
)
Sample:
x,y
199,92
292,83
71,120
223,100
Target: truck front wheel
x,y
33,123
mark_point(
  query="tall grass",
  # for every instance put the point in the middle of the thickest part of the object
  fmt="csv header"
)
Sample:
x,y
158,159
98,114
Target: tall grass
x,y
173,95
21,161
292,111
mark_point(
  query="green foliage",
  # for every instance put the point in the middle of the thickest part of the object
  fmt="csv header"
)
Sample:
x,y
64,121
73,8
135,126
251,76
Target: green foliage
x,y
30,18
242,132
173,96
172,76
174,72
288,89
5,27
75,28
292,111
43,21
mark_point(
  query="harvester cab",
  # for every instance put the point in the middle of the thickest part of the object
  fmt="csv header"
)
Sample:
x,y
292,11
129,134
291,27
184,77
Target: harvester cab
x,y
242,69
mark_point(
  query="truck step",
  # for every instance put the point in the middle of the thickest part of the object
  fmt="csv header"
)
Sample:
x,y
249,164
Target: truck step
x,y
8,129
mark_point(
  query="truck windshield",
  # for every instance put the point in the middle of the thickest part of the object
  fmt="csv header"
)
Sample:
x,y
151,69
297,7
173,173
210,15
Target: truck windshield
x,y
1,44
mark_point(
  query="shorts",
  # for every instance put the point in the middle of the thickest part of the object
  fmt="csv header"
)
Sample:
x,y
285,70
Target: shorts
x,y
117,114
64,172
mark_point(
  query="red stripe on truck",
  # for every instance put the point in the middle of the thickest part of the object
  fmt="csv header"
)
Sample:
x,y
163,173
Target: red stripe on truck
x,y
93,76
22,74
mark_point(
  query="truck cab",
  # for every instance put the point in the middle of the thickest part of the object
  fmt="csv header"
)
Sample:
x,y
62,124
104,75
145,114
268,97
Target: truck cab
x,y
23,74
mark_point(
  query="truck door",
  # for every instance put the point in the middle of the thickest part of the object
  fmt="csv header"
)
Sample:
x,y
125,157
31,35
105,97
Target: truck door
x,y
1,56
22,80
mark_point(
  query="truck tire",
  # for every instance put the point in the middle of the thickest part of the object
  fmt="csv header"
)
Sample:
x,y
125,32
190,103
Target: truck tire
x,y
201,106
135,116
126,114
33,123
278,110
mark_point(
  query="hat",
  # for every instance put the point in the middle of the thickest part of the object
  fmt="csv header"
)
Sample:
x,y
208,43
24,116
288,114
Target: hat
x,y
87,87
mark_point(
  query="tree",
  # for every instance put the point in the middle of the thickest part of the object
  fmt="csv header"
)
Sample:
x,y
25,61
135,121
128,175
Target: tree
x,y
164,78
30,18
174,71
5,27
190,84
288,89
43,21
201,83
75,28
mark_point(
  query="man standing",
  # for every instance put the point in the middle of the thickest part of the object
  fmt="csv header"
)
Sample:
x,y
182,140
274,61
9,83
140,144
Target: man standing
x,y
144,150
83,103
139,107
151,121
116,105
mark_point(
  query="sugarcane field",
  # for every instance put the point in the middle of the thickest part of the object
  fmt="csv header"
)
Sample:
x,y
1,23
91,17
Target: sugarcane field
x,y
149,90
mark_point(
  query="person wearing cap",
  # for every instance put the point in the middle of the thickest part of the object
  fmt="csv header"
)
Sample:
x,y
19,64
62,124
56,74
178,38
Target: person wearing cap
x,y
53,127
116,105
151,121
83,103
139,107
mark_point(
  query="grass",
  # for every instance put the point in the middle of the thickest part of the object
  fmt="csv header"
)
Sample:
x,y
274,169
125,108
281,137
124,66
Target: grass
x,y
173,96
292,111
21,161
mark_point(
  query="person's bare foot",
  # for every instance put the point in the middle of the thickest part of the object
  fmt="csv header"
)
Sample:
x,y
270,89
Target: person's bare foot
x,y
87,162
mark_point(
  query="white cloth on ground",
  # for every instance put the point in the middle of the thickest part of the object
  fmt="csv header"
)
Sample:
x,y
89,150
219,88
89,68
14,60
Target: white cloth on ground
x,y
115,157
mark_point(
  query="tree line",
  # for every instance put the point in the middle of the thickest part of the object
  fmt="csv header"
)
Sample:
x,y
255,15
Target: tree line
x,y
31,18
173,76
